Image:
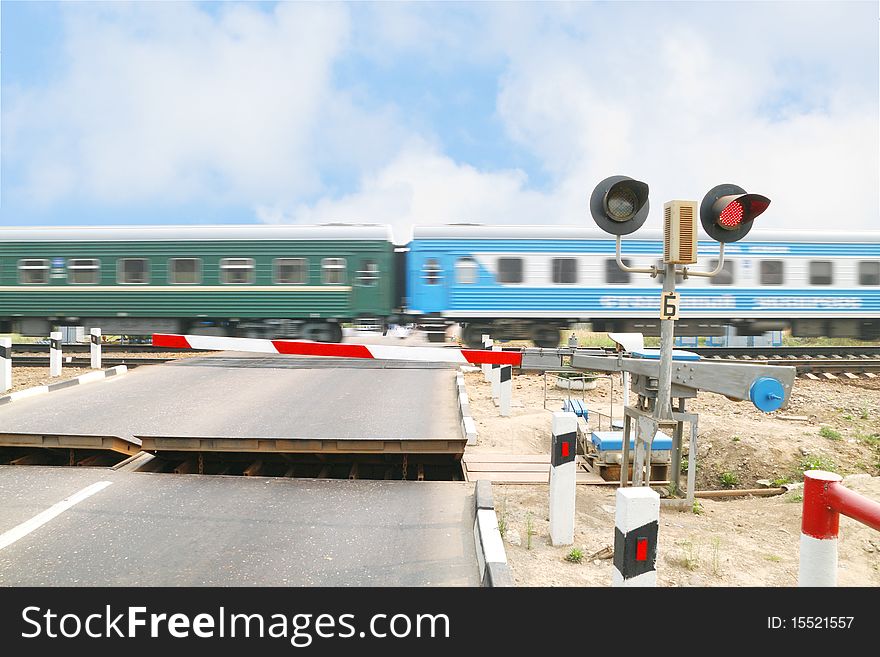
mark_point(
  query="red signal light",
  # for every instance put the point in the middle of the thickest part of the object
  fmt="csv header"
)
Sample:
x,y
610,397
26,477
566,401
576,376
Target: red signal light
x,y
731,216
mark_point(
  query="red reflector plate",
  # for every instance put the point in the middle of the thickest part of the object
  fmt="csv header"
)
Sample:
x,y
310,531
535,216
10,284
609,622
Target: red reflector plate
x,y
565,449
642,549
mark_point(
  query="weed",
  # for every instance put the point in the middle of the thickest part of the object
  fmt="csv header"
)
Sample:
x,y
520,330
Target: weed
x,y
780,481
728,479
684,463
690,557
794,497
864,413
716,555
828,432
817,462
530,531
736,439
872,439
772,557
575,556
502,518
697,508
848,417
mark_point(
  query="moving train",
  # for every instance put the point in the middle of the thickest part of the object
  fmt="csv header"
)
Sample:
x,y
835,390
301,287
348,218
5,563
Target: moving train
x,y
515,282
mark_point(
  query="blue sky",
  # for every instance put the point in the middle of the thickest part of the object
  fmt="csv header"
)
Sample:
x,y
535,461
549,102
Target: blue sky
x,y
404,113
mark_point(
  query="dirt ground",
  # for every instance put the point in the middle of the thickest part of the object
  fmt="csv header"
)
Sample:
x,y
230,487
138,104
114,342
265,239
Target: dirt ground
x,y
748,541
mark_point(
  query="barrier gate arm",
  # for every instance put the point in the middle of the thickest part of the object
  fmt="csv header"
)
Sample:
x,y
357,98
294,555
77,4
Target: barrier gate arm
x,y
767,386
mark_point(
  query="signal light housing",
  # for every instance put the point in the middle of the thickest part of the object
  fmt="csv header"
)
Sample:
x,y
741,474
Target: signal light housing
x,y
619,205
727,212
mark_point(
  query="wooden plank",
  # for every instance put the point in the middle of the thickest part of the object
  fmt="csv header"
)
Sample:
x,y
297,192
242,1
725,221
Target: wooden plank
x,y
849,375
505,458
828,375
870,375
508,467
812,376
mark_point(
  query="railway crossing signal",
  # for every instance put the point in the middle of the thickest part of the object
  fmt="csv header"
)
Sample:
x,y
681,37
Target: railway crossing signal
x,y
727,212
619,205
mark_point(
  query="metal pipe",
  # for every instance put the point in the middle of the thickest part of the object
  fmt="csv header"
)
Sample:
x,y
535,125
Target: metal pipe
x,y
687,273
635,270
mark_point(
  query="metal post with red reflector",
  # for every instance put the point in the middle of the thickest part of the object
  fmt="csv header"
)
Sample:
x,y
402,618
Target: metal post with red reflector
x,y
635,537
727,212
563,477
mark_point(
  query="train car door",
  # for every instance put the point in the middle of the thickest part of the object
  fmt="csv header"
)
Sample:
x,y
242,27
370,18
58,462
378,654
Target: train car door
x,y
433,283
368,285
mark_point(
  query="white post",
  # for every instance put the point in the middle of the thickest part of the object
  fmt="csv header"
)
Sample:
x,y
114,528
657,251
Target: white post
x,y
95,340
5,364
494,375
487,344
55,353
625,389
635,537
505,374
563,478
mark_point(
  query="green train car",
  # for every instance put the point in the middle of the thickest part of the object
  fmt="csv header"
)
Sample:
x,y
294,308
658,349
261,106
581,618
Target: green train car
x,y
252,281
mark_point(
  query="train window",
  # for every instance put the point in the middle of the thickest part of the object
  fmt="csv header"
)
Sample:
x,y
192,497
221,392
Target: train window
x,y
368,274
614,275
869,273
565,271
33,271
772,272
83,271
821,272
333,271
184,271
291,271
432,272
466,271
133,271
510,270
725,276
237,271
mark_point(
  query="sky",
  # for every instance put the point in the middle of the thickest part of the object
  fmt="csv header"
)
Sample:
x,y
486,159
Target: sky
x,y
425,113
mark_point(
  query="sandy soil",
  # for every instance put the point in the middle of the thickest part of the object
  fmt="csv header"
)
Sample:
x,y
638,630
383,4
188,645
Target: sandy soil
x,y
750,541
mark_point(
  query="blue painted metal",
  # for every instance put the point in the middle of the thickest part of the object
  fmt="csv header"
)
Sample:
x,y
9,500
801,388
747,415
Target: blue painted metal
x,y
767,394
577,407
654,354
607,441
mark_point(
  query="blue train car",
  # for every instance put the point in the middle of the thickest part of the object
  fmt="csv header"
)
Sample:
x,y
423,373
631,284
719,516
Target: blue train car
x,y
531,282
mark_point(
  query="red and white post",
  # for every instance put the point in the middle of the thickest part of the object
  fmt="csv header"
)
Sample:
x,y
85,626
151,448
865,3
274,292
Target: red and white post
x,y
55,353
825,498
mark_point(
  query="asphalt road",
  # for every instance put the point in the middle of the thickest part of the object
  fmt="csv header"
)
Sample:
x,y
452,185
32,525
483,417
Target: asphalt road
x,y
189,530
252,397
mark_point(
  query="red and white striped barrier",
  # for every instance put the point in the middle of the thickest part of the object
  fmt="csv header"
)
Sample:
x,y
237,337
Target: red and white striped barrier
x,y
825,498
304,348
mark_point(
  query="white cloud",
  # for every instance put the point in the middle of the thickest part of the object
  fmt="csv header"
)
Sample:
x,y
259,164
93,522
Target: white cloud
x,y
243,107
166,103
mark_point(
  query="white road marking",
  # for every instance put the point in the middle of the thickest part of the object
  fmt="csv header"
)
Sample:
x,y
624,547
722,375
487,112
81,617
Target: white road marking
x,y
25,528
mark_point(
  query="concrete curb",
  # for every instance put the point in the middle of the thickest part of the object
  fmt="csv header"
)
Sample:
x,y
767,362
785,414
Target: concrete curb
x,y
83,378
468,426
491,556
